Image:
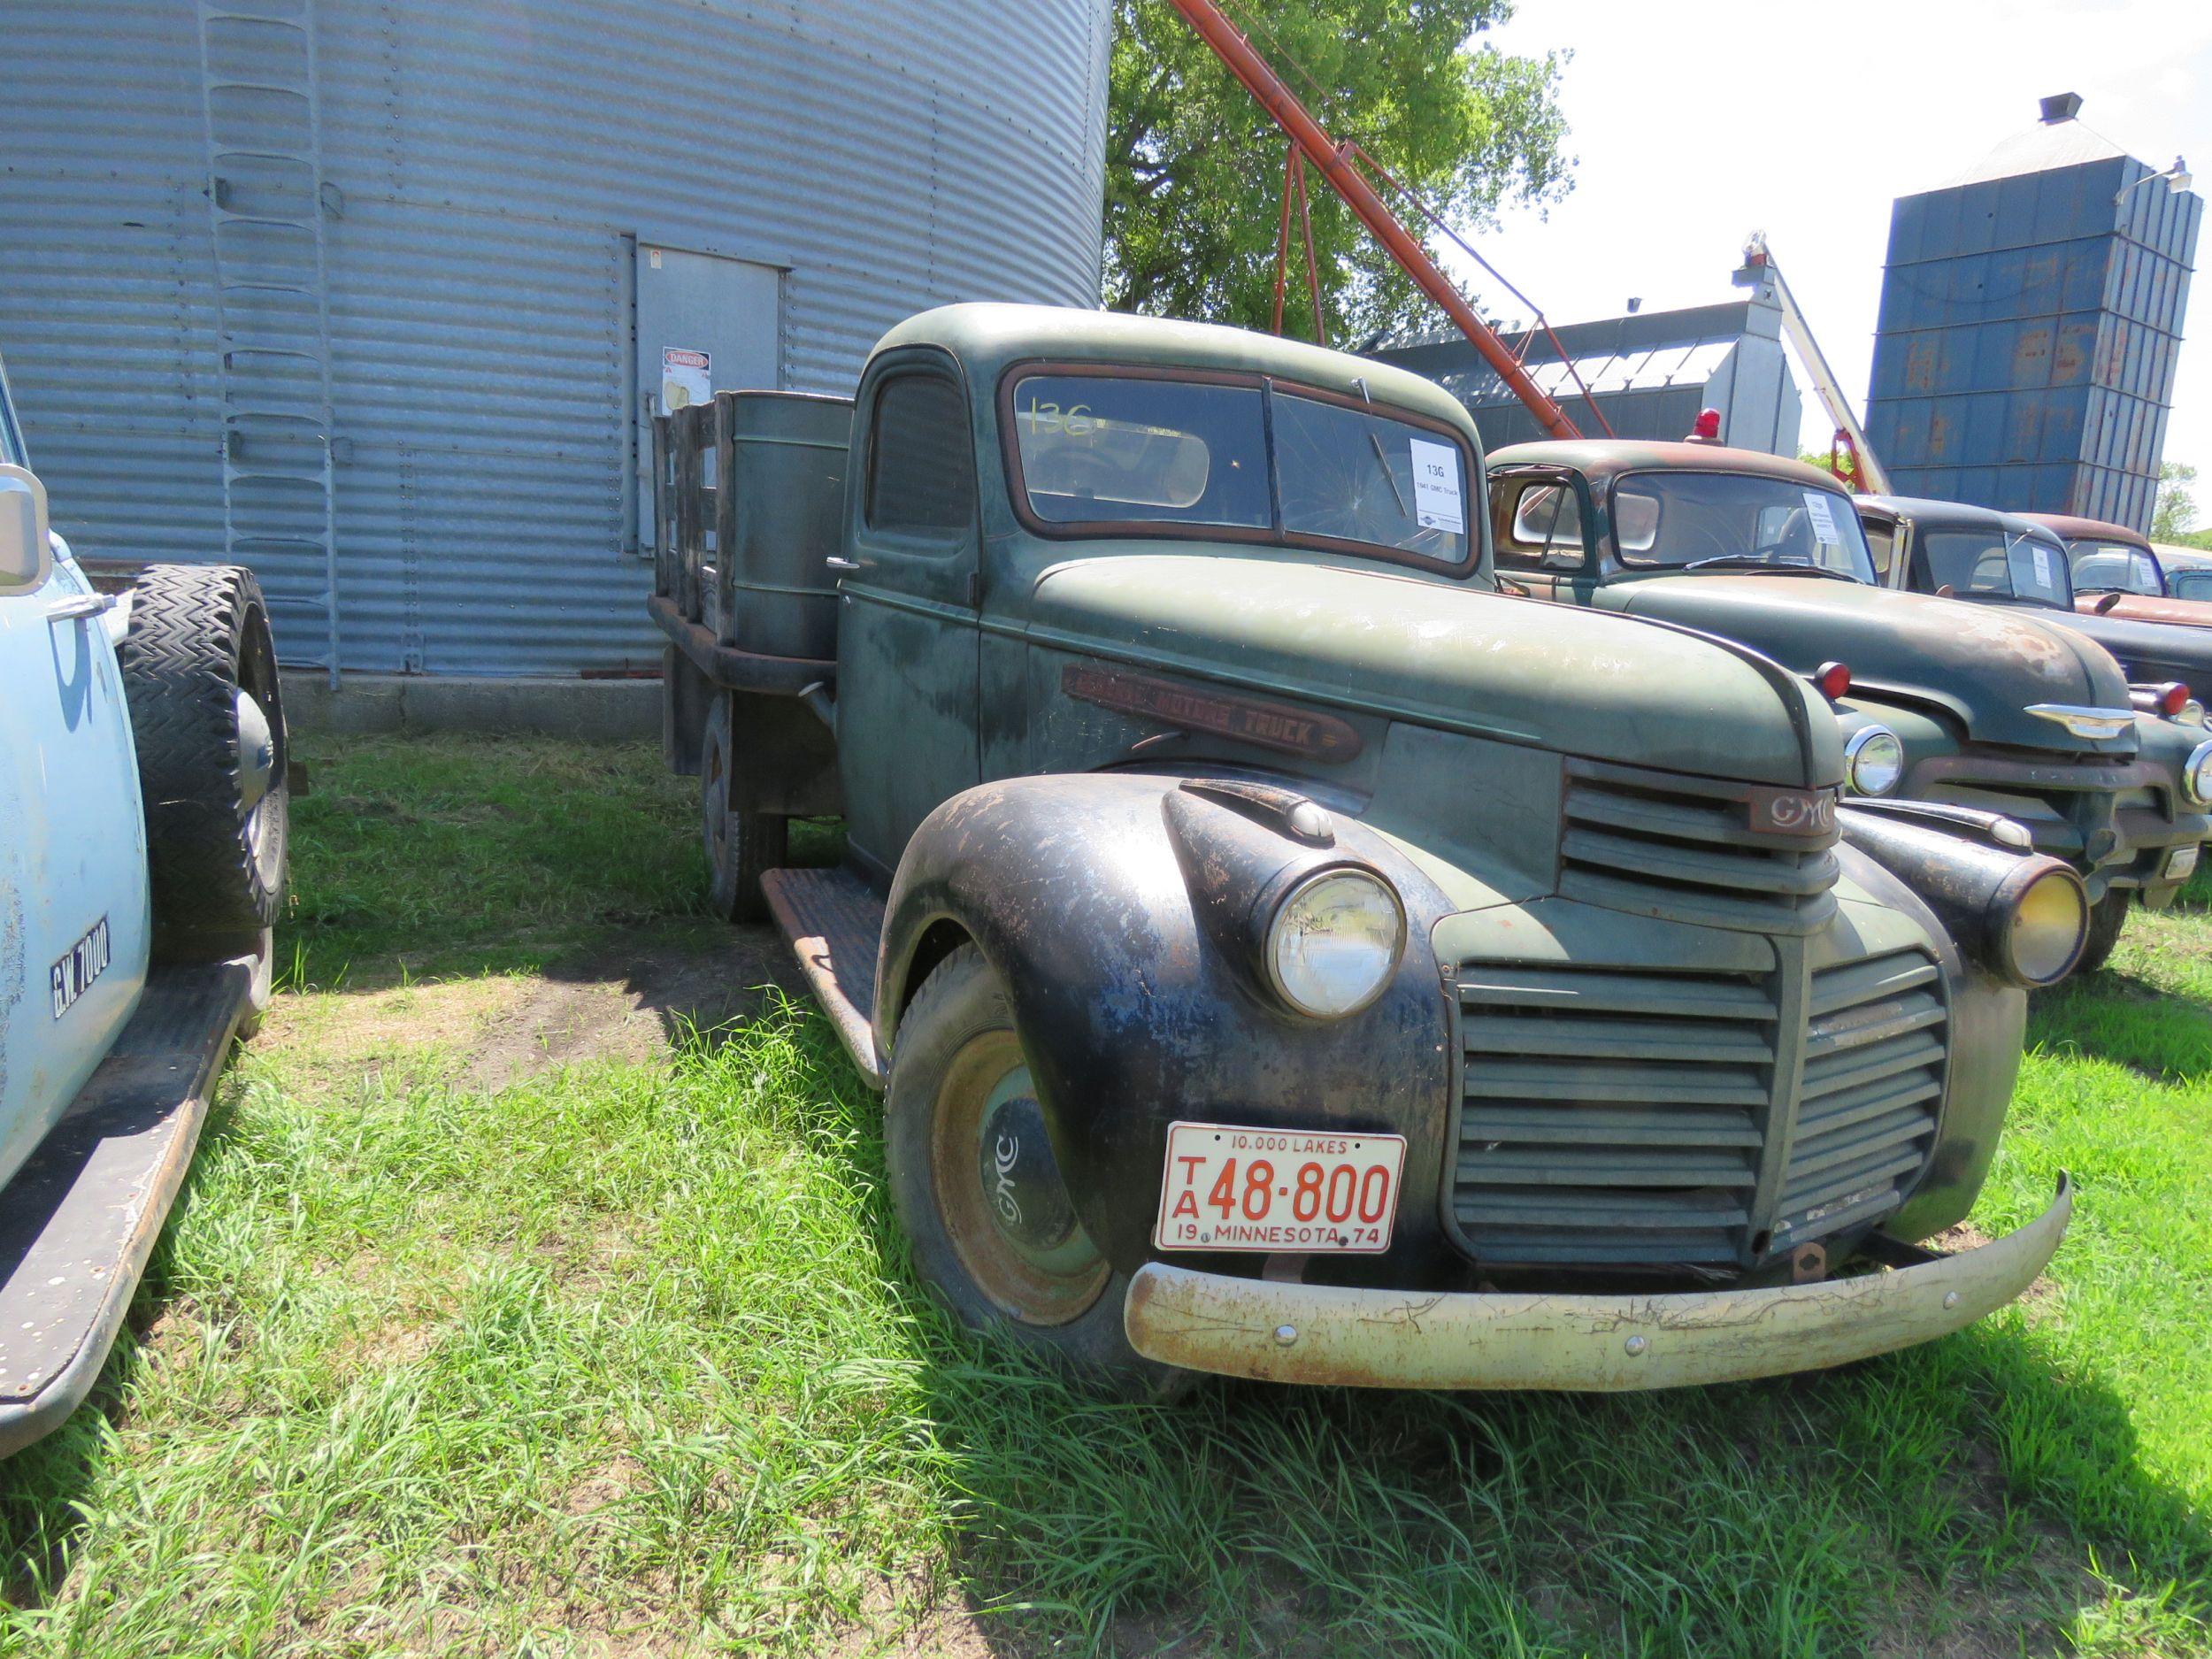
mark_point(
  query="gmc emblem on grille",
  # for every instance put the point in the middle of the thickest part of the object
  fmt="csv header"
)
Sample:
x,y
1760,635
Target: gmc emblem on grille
x,y
1805,813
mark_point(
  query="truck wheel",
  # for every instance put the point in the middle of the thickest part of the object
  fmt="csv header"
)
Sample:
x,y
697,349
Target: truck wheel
x,y
739,844
2107,917
200,676
992,1232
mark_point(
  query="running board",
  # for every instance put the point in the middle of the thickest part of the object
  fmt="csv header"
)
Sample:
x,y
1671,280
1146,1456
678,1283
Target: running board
x,y
834,922
80,1219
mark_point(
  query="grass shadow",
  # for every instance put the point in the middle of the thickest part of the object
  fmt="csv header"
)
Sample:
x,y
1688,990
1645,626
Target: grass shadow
x,y
2158,1033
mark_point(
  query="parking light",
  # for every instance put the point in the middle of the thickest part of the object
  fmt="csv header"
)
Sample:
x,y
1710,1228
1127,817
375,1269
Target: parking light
x,y
1833,679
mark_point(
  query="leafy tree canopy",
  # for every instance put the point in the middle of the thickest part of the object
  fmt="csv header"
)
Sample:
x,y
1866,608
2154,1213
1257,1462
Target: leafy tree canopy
x,y
1194,165
2174,510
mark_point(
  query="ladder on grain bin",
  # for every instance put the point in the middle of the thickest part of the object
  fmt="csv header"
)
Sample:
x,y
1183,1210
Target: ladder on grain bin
x,y
267,201
1867,476
1346,167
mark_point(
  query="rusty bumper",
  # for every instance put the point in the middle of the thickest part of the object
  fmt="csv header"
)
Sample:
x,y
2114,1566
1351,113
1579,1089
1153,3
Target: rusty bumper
x,y
1391,1339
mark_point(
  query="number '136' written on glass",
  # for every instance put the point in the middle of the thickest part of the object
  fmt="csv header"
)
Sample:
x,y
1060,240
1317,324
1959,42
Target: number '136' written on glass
x,y
1076,419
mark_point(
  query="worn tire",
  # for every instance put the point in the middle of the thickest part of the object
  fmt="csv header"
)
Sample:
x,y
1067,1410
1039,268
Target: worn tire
x,y
2107,917
960,1008
198,641
740,845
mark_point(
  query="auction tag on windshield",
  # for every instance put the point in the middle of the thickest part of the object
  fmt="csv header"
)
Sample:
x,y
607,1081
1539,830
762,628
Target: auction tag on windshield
x,y
2044,579
1231,1188
1436,499
1822,517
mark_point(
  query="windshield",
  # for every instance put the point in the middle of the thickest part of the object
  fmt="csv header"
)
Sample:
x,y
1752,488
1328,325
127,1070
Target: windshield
x,y
2006,564
2112,567
1736,521
1105,452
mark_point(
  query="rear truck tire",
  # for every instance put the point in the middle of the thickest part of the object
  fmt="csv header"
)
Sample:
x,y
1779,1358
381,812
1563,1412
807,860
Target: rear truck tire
x,y
741,843
207,714
2107,917
993,1233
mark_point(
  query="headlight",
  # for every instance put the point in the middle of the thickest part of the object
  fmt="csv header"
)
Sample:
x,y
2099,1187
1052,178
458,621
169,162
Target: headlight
x,y
1873,761
2196,773
1335,942
2048,926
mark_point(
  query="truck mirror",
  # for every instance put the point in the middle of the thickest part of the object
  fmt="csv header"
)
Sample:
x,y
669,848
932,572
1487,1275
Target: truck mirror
x,y
25,554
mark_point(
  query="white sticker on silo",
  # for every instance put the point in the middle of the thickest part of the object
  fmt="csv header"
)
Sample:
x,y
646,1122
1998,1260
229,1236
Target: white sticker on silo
x,y
686,378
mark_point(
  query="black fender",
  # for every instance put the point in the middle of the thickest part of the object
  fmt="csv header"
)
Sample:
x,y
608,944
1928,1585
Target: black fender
x,y
1116,909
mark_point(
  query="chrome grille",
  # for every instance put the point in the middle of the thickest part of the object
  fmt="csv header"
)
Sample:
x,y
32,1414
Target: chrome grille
x,y
1866,1115
1609,1117
1658,844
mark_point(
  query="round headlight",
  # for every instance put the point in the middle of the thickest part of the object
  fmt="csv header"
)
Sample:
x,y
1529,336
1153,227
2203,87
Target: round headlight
x,y
2196,774
1335,942
1873,761
2049,925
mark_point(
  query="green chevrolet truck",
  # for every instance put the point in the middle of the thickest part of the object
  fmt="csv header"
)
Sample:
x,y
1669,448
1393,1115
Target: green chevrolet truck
x,y
1942,701
1282,954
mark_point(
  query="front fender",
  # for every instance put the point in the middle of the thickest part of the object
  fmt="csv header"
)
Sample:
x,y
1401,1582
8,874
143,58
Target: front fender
x,y
1096,900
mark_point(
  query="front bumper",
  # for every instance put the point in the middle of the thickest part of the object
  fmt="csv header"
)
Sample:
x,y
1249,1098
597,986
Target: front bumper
x,y
1395,1339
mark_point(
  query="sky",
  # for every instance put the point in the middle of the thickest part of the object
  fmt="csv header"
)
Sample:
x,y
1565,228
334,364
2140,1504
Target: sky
x,y
1695,125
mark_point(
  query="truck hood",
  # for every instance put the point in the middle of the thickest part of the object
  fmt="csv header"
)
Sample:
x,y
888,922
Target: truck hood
x,y
1574,682
1986,665
2148,651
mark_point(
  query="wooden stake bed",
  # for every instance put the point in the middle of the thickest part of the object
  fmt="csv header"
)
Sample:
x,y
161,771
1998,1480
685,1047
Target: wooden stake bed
x,y
80,1219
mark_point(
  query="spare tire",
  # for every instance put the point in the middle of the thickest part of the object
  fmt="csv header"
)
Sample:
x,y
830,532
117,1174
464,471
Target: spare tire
x,y
200,674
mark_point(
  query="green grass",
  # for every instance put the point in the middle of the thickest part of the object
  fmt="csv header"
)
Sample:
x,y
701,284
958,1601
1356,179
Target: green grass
x,y
624,1359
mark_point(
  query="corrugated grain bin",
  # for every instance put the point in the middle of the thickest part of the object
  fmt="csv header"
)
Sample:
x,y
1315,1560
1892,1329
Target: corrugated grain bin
x,y
380,298
2030,324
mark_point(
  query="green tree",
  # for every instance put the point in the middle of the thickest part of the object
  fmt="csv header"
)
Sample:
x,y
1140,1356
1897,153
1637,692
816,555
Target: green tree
x,y
2174,514
1194,165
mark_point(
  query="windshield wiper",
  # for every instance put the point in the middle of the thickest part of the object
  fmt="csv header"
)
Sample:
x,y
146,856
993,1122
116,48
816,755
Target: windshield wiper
x,y
1389,478
1752,561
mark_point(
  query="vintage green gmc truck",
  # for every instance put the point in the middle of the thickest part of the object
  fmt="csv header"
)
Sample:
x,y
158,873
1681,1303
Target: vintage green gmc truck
x,y
1285,955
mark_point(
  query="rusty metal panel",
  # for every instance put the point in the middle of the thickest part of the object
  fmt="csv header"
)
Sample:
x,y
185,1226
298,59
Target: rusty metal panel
x,y
485,173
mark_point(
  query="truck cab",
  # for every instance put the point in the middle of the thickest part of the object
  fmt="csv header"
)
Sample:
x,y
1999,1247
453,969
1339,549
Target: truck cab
x,y
2117,573
1284,954
2005,710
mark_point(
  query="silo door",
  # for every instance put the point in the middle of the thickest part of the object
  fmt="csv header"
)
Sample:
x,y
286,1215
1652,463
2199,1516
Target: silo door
x,y
704,325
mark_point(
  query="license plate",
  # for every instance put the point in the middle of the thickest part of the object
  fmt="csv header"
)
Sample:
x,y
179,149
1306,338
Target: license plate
x,y
88,959
1294,1190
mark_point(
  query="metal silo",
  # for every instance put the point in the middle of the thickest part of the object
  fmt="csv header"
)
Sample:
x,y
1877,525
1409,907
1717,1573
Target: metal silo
x,y
377,297
2031,317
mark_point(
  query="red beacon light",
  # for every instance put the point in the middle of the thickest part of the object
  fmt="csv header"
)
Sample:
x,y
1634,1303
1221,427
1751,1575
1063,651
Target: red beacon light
x,y
1834,680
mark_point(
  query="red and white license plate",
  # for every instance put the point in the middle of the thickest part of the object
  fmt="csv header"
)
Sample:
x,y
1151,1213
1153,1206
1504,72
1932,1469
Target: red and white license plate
x,y
1308,1191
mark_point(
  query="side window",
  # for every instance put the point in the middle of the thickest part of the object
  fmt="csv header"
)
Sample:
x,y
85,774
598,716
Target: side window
x,y
921,464
1881,541
1542,524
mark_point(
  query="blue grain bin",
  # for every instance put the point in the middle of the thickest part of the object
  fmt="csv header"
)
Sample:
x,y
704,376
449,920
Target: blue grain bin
x,y
2030,323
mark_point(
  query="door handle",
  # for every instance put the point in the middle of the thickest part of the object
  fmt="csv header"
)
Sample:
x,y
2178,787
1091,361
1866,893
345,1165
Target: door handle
x,y
838,563
77,608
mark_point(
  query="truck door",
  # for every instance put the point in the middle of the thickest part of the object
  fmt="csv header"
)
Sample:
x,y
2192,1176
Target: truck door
x,y
907,635
73,916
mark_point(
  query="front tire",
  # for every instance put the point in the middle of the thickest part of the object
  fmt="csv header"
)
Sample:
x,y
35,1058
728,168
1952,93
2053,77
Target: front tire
x,y
2107,917
741,845
975,1187
207,716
